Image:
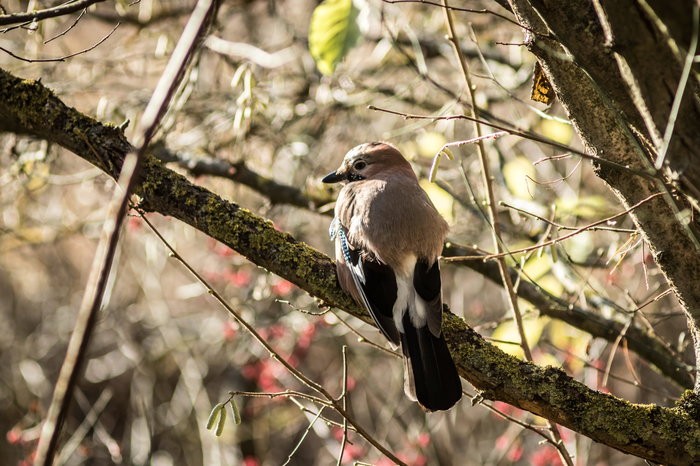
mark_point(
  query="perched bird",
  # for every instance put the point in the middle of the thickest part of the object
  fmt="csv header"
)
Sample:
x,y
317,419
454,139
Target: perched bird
x,y
388,236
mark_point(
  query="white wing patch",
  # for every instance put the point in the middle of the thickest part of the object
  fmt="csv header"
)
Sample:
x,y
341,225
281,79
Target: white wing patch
x,y
407,298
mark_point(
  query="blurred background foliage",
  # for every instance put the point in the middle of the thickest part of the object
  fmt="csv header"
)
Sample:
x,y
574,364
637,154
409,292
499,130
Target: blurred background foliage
x,y
164,353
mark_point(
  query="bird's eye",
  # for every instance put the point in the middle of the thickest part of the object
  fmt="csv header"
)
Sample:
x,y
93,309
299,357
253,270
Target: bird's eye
x,y
359,165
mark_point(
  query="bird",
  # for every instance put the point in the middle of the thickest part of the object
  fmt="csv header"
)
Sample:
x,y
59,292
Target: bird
x,y
388,237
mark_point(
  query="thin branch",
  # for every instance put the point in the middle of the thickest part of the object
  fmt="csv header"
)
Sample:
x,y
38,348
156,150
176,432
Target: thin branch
x,y
343,396
559,226
303,436
523,134
466,10
678,97
487,180
555,240
61,10
65,31
615,345
102,264
329,422
284,394
64,58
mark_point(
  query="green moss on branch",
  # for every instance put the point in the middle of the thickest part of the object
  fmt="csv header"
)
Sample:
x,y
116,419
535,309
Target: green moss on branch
x,y
664,435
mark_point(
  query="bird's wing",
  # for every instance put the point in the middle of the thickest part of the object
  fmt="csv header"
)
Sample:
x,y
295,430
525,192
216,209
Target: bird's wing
x,y
375,284
426,281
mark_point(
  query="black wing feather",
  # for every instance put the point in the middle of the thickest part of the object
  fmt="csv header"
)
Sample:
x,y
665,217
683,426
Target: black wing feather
x,y
436,384
376,283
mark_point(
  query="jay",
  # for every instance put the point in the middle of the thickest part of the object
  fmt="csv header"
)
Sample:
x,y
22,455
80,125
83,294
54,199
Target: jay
x,y
388,236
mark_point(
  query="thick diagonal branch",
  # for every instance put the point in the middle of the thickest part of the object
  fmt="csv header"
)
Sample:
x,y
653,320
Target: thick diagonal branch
x,y
657,433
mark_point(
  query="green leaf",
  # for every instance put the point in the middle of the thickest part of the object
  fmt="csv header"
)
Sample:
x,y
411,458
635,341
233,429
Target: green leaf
x,y
332,33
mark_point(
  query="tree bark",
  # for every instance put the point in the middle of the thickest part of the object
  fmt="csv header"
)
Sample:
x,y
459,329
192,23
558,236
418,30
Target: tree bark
x,y
616,75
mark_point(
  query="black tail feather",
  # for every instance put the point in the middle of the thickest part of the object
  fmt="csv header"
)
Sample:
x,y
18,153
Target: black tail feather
x,y
433,380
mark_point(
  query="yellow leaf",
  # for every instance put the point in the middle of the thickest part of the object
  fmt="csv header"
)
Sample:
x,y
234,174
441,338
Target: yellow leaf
x,y
537,266
515,173
551,284
429,144
508,332
546,359
571,340
333,32
590,207
579,247
442,200
557,130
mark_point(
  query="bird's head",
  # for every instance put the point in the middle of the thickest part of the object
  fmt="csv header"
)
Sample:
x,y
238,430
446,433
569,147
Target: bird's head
x,y
368,161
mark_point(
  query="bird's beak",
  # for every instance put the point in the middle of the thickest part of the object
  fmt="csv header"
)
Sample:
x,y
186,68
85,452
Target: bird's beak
x,y
333,177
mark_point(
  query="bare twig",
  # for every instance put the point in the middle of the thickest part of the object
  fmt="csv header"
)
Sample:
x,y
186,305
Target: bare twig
x,y
65,31
495,227
466,10
329,422
486,177
60,10
343,396
678,97
284,394
565,227
556,240
613,350
102,264
523,134
303,436
65,57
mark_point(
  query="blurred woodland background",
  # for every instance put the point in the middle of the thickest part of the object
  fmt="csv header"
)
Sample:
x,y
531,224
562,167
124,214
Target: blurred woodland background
x,y
253,117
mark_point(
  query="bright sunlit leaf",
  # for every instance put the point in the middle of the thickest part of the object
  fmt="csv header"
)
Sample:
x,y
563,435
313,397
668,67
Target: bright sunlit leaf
x,y
579,247
430,143
545,359
332,33
551,284
587,207
442,200
556,130
537,266
516,174
507,333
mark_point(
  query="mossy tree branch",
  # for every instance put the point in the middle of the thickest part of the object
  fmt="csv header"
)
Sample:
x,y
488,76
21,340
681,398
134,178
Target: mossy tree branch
x,y
646,345
665,435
